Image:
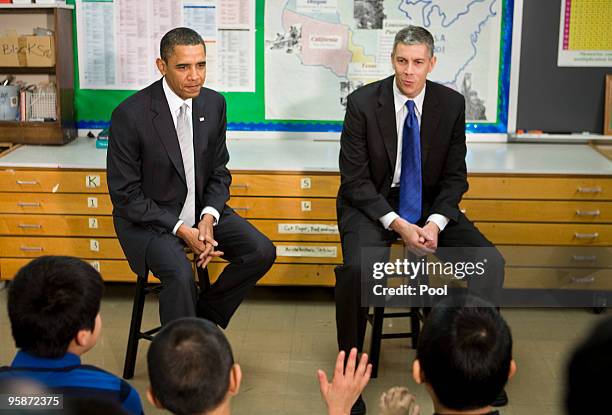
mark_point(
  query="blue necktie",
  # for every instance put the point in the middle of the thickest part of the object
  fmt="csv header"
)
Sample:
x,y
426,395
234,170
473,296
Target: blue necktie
x,y
411,192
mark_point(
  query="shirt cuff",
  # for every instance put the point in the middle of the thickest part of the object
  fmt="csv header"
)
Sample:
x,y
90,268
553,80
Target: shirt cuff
x,y
388,219
178,225
212,211
439,220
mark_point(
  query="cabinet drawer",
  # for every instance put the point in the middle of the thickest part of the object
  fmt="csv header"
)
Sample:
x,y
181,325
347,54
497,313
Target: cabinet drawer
x,y
53,181
111,270
559,278
547,234
284,208
77,204
496,187
57,225
537,211
119,271
91,248
292,230
288,274
557,256
299,185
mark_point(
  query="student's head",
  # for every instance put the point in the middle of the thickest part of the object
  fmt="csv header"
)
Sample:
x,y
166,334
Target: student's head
x,y
464,354
54,304
412,59
587,389
182,61
191,368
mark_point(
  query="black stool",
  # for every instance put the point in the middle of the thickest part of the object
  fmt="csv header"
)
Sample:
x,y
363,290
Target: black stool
x,y
143,287
376,319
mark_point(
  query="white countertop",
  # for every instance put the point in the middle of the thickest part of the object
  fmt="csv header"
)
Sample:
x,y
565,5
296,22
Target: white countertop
x,y
322,156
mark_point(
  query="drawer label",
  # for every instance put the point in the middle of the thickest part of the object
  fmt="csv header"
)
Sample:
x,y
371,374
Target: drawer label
x,y
307,251
92,182
306,206
96,265
305,183
93,223
92,202
94,245
307,228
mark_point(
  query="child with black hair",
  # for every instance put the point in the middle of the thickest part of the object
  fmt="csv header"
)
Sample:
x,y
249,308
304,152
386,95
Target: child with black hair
x,y
464,356
54,309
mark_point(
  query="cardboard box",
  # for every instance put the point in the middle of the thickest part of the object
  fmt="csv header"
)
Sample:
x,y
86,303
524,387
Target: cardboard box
x,y
37,51
9,50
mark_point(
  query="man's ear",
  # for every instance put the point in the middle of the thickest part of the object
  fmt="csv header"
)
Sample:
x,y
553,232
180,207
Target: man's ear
x,y
82,338
161,66
235,379
512,371
152,399
417,373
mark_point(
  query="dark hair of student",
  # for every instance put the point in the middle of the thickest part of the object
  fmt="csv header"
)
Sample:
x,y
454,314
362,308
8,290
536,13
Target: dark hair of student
x,y
50,300
190,361
465,351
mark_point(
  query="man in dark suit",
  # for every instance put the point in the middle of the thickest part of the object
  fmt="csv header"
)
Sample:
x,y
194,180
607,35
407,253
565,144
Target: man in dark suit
x,y
403,173
169,185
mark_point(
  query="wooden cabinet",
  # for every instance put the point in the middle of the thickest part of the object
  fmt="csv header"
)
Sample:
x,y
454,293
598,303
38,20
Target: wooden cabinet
x,y
554,232
24,18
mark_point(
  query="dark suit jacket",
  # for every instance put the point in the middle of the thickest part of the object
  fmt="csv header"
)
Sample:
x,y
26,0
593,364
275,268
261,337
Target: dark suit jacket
x,y
368,150
146,178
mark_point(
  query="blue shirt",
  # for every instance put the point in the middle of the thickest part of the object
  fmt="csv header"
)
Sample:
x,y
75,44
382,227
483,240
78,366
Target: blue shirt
x,y
68,376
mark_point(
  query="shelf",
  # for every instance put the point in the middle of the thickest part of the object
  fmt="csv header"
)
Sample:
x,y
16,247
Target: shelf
x,y
27,70
32,7
33,124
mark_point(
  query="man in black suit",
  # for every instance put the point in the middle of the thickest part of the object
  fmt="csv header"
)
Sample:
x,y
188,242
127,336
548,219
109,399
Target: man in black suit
x,y
169,185
403,173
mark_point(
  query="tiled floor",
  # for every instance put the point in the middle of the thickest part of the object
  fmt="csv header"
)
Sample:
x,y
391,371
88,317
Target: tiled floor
x,y
281,336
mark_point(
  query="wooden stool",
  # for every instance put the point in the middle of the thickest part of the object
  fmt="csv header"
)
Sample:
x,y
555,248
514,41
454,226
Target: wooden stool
x,y
143,287
376,319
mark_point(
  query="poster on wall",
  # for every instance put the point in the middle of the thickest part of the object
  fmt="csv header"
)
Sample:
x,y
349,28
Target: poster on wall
x,y
585,34
118,41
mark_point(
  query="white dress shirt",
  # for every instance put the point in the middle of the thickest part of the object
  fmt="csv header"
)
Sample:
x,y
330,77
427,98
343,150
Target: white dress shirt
x,y
401,112
175,103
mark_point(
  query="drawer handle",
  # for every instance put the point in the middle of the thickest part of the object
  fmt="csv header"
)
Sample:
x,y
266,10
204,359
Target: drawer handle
x,y
32,182
582,280
28,204
31,248
583,258
587,212
239,186
29,226
241,208
596,189
586,235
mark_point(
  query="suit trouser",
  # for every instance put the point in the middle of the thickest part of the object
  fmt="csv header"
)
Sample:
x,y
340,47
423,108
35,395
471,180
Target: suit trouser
x,y
358,233
250,255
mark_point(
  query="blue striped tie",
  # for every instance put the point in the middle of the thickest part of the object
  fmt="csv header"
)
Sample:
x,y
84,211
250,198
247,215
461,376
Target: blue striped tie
x,y
411,192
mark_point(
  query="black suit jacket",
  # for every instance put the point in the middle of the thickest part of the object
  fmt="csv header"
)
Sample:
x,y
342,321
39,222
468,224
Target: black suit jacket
x,y
146,177
368,150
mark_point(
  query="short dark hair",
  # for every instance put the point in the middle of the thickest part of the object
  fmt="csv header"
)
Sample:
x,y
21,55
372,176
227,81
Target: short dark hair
x,y
178,36
414,35
590,362
190,361
50,300
465,352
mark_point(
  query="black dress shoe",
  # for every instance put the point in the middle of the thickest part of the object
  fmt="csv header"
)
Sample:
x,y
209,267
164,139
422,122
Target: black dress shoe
x,y
359,407
501,400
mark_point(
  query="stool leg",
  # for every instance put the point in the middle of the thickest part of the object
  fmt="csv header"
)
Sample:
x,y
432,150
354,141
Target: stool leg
x,y
377,328
133,337
415,326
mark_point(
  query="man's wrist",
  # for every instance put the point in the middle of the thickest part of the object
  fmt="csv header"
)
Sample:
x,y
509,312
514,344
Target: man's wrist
x,y
209,218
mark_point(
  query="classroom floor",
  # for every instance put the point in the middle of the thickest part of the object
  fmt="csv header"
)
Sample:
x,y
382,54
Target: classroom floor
x,y
281,336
